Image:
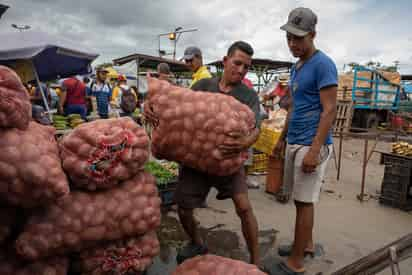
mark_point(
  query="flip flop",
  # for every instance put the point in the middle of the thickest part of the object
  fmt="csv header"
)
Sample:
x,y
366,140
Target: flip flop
x,y
286,250
278,267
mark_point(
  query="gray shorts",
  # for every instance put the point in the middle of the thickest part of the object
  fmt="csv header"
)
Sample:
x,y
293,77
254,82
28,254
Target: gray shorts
x,y
304,187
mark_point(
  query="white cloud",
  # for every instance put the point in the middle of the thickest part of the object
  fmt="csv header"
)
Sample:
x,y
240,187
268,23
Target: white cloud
x,y
348,30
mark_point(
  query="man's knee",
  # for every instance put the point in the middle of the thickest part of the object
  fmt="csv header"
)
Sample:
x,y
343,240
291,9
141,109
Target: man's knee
x,y
243,207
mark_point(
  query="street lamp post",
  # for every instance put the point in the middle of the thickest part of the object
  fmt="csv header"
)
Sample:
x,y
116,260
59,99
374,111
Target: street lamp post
x,y
174,36
21,27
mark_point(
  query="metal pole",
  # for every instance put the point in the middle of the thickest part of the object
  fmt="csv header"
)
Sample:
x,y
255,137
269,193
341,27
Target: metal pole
x,y
365,163
340,154
41,90
137,73
174,49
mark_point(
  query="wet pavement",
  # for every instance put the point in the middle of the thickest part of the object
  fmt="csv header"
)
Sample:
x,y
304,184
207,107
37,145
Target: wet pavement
x,y
220,241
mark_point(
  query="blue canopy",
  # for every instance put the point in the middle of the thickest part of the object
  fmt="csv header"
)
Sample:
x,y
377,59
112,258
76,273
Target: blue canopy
x,y
52,56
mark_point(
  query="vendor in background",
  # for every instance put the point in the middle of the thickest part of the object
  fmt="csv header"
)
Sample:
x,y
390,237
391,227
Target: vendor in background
x,y
39,115
117,91
73,98
163,71
193,59
102,91
37,98
280,94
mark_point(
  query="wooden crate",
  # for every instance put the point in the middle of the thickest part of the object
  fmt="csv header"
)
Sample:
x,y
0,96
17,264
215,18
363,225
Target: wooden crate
x,y
344,95
343,117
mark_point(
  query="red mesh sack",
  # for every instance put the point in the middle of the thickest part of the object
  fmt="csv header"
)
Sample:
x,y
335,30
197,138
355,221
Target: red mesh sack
x,y
103,153
30,167
83,219
211,264
10,264
15,106
120,257
8,218
192,125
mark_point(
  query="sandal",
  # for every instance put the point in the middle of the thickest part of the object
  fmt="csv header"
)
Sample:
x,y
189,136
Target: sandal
x,y
286,250
279,267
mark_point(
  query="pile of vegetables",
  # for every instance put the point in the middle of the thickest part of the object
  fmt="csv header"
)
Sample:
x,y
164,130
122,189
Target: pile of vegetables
x,y
67,122
103,153
75,120
162,174
15,106
402,148
210,264
192,125
60,122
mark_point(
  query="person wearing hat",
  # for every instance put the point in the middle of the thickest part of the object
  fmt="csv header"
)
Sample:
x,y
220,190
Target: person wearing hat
x,y
116,94
312,87
102,91
194,60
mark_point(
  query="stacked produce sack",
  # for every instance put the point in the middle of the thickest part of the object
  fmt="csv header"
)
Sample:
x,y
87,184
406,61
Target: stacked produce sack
x,y
105,224
15,107
31,175
210,264
103,153
192,125
107,221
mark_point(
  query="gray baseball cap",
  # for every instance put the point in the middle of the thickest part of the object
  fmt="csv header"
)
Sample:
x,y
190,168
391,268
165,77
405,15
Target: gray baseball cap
x,y
191,52
301,21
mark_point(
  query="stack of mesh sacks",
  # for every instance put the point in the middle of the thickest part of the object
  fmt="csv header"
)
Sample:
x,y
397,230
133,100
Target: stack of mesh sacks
x,y
31,175
108,221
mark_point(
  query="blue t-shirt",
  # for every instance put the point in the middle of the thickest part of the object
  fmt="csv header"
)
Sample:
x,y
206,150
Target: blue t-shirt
x,y
305,84
103,93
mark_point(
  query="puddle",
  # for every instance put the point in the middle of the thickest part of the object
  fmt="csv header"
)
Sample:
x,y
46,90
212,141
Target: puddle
x,y
220,241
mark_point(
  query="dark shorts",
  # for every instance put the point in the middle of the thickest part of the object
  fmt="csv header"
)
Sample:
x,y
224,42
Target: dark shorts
x,y
194,186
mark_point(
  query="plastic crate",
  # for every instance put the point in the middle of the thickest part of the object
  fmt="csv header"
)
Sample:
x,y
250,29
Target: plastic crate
x,y
397,182
259,165
267,140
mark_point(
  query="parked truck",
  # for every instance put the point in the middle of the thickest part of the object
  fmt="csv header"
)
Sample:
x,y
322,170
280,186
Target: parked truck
x,y
374,95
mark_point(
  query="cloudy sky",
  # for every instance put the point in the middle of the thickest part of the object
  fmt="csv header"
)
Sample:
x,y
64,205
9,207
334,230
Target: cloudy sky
x,y
350,30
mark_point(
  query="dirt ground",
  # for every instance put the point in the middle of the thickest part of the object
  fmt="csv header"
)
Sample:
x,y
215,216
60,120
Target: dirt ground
x,y
347,228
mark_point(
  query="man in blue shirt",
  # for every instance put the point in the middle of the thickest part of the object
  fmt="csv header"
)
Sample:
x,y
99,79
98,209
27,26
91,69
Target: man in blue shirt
x,y
102,91
312,88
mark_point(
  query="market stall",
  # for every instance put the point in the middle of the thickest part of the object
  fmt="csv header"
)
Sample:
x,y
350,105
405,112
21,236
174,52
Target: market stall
x,y
42,57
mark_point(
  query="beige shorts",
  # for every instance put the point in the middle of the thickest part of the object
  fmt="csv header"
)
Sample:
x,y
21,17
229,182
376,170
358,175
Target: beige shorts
x,y
304,187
